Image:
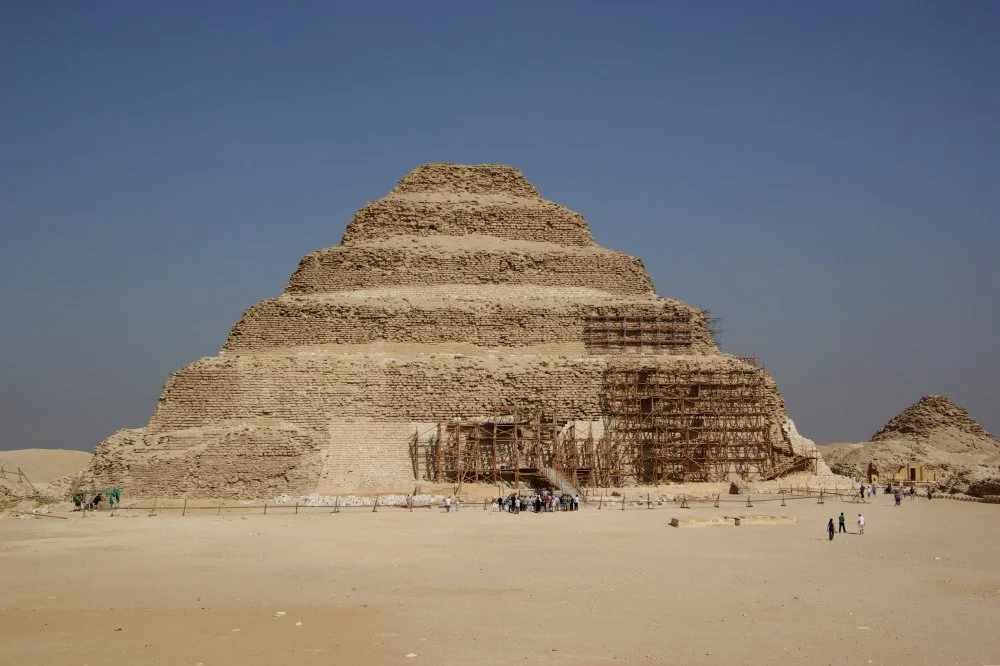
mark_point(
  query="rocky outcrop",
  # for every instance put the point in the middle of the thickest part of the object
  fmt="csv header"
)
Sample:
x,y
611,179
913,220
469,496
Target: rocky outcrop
x,y
943,425
933,432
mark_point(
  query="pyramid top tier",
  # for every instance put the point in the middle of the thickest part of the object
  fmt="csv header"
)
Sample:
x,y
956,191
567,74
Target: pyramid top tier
x,y
457,200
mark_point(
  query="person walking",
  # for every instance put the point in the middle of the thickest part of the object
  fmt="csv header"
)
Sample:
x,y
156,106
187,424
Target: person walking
x,y
447,505
829,529
861,524
841,523
862,492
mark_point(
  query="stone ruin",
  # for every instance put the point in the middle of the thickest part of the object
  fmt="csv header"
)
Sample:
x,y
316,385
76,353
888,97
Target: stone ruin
x,y
934,433
464,330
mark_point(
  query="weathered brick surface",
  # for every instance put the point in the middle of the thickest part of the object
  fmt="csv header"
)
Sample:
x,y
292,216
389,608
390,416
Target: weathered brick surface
x,y
310,389
297,321
240,461
516,219
480,179
365,453
476,261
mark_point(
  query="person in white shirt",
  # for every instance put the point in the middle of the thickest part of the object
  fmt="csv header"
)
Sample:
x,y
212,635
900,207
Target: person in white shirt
x,y
861,524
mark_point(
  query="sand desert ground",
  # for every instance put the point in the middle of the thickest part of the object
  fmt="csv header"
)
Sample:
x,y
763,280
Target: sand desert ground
x,y
44,465
922,585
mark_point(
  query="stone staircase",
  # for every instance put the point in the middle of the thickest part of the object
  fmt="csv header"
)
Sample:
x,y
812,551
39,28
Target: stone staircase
x,y
559,482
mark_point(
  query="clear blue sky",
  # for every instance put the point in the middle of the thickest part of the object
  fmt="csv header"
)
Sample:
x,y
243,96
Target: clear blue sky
x,y
824,176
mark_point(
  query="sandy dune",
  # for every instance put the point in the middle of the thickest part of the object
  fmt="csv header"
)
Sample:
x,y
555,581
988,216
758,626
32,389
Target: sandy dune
x,y
43,465
476,587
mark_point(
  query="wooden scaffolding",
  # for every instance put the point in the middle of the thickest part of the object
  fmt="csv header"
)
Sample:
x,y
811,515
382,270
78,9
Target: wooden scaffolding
x,y
663,333
503,447
659,424
686,425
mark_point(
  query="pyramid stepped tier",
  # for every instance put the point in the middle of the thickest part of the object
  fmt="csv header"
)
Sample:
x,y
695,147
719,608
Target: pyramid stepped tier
x,y
469,259
313,387
489,179
491,200
485,316
460,299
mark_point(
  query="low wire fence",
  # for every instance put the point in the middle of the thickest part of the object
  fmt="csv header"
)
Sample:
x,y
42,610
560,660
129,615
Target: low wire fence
x,y
614,501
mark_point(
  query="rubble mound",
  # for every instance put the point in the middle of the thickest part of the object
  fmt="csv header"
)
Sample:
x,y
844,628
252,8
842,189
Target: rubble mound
x,y
939,421
18,496
933,432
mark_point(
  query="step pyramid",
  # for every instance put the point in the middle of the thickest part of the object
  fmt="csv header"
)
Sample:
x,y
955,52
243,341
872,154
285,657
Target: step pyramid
x,y
459,295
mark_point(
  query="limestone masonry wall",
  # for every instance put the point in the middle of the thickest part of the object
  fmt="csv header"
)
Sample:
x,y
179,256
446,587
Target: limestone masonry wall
x,y
365,453
246,461
467,179
360,266
310,389
533,220
297,321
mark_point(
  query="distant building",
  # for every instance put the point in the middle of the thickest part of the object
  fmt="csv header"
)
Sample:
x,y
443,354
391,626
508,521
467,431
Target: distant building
x,y
911,472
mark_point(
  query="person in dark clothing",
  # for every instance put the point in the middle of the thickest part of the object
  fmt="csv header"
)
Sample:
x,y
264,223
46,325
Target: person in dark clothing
x,y
829,529
840,522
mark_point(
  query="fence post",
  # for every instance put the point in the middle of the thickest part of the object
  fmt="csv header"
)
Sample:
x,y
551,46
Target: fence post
x,y
623,502
375,506
600,505
220,507
184,510
648,504
296,508
265,507
409,501
783,498
336,505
